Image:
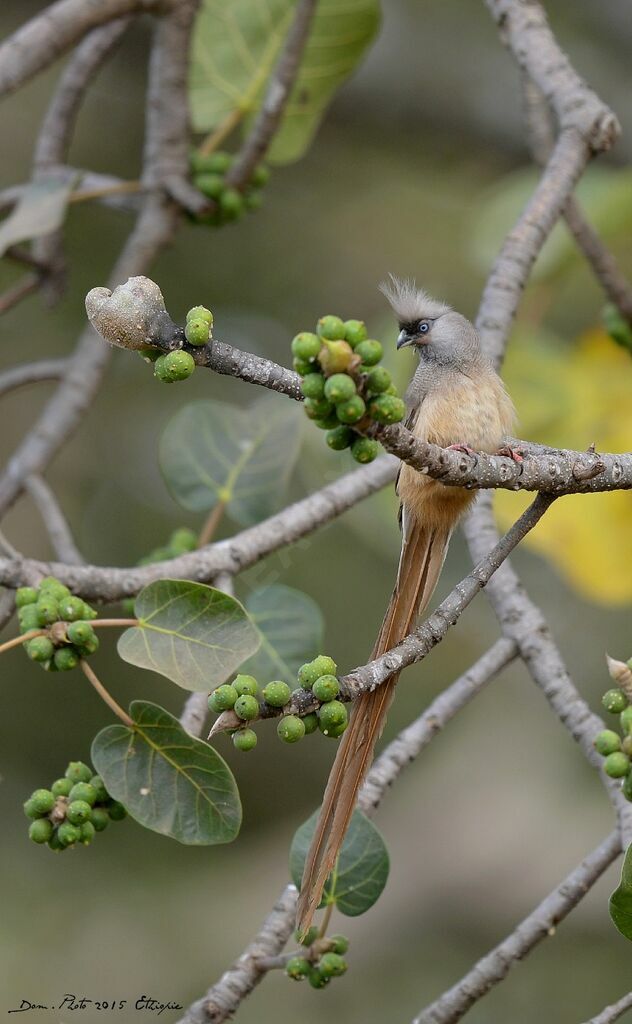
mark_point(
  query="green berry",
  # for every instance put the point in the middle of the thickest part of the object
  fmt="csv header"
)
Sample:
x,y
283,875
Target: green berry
x,y
99,818
71,609
607,742
66,658
297,968
47,610
370,352
277,693
174,366
331,716
626,787
223,698
87,833
323,665
331,327
61,787
83,791
364,450
218,161
80,632
313,385
328,423
340,438
77,771
68,834
30,809
231,204
25,596
326,688
351,411
78,811
149,355
260,176
182,540
336,731
40,831
88,612
392,390
52,587
626,745
310,722
316,979
210,184
116,811
42,801
379,380
245,739
617,765
302,366
291,729
200,313
387,409
340,944
98,785
614,701
355,332
246,707
318,408
309,938
28,617
197,332
246,684
90,646
626,720
340,387
54,844
336,357
40,648
332,965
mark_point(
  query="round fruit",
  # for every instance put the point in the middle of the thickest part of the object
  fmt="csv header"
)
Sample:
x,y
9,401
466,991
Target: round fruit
x,y
340,438
61,787
332,965
68,834
66,658
211,184
223,698
77,771
302,366
313,385
71,609
617,765
310,722
626,720
331,716
28,617
340,387
328,423
80,633
260,176
336,731
626,787
297,968
306,345
370,352
336,357
40,648
196,332
364,450
246,707
231,203
607,742
78,811
40,831
277,693
87,833
25,596
318,408
98,785
245,739
42,801
291,729
351,411
83,791
310,936
182,540
379,380
200,313
323,665
387,409
340,944
331,327
54,844
47,611
246,684
116,811
99,818
326,688
614,701
316,979
174,366
219,161
355,332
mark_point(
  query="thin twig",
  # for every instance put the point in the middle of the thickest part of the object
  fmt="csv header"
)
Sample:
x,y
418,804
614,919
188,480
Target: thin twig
x,y
90,674
54,521
27,284
31,373
214,518
15,641
613,1012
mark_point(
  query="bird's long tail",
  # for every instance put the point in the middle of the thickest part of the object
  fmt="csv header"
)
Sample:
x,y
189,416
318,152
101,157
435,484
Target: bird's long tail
x,y
422,558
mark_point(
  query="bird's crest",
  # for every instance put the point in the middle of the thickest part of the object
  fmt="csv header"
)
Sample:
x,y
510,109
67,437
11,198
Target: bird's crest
x,y
411,303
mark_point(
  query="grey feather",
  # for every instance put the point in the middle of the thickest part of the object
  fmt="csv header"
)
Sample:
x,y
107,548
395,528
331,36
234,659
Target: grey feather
x,y
411,303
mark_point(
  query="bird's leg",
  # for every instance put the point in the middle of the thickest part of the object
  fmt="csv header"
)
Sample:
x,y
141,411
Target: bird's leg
x,y
517,454
465,448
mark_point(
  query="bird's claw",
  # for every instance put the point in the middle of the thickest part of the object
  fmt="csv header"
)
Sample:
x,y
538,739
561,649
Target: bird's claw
x,y
465,448
516,454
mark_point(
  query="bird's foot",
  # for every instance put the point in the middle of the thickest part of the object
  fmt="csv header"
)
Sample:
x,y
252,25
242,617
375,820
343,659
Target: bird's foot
x,y
465,448
516,454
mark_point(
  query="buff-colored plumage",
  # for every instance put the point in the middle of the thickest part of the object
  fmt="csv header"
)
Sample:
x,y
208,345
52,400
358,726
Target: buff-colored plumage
x,y
455,397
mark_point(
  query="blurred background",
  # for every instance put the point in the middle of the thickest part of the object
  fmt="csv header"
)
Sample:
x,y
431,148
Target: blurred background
x,y
419,169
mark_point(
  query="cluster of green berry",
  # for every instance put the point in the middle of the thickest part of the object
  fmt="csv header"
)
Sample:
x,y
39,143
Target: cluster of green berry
x,y
321,961
170,367
241,696
617,749
344,387
209,176
72,810
69,635
180,542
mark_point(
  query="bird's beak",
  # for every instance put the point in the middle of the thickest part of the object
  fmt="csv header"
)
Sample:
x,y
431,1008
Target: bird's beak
x,y
404,339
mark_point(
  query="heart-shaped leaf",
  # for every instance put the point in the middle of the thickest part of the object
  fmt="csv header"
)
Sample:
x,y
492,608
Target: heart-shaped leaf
x,y
40,209
211,452
192,634
621,900
169,781
236,46
291,627
361,871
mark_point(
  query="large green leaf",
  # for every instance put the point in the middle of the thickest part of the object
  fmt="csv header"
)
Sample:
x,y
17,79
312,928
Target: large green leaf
x,y
361,871
169,781
291,626
621,899
192,634
40,209
211,451
236,46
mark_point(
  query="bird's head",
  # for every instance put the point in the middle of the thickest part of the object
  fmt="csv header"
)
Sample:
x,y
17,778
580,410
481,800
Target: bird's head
x,y
435,331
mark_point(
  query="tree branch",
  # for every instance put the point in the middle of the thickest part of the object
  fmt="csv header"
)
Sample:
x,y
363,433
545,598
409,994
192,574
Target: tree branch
x,y
54,520
31,373
613,1012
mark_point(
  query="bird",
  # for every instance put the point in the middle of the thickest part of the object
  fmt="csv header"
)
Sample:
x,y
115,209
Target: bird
x,y
456,400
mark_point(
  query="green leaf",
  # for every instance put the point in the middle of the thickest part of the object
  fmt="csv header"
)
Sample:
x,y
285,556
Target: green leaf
x,y
192,634
291,627
362,868
40,209
236,46
169,781
211,451
621,900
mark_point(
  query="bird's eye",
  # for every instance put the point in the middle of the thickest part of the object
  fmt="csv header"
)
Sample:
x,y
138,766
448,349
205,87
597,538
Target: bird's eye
x,y
424,326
